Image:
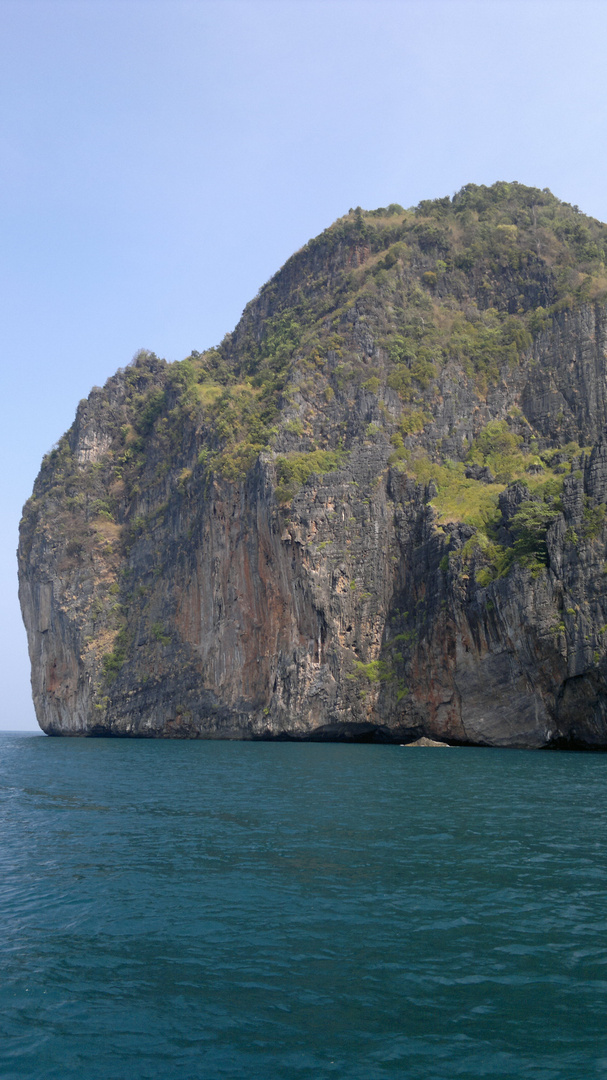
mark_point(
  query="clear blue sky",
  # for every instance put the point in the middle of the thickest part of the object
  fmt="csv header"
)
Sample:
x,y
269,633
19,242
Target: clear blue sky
x,y
161,159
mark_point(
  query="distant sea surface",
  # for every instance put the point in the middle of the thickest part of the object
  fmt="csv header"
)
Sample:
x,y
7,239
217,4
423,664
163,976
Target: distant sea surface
x,y
275,910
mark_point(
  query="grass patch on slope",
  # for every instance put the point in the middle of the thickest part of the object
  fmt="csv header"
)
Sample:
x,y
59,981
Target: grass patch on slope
x,y
459,498
294,470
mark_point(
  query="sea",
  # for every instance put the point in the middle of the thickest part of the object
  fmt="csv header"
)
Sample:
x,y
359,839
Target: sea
x,y
207,910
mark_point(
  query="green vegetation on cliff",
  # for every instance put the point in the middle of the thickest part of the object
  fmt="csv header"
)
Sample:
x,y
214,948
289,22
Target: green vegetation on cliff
x,y
380,301
473,277
372,312
293,470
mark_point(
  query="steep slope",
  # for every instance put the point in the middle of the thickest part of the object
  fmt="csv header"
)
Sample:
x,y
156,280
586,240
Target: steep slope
x,y
375,511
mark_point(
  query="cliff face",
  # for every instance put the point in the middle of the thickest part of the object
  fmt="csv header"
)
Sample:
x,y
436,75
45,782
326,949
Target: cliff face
x,y
375,512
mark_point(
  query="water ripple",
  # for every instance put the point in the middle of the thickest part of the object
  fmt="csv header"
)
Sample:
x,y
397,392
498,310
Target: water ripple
x,y
241,910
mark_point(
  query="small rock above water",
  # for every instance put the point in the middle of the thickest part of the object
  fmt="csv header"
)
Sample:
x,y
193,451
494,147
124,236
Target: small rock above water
x,y
425,742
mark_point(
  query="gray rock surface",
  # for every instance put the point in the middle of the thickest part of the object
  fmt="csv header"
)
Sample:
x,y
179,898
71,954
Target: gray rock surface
x,y
185,603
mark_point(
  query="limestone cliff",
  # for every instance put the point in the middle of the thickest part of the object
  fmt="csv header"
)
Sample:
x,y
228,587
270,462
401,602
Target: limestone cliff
x,y
375,511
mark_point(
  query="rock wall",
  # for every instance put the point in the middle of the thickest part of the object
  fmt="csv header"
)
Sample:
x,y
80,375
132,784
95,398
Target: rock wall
x,y
169,600
246,620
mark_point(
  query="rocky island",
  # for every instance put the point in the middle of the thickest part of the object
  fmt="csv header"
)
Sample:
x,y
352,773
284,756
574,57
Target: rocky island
x,y
375,511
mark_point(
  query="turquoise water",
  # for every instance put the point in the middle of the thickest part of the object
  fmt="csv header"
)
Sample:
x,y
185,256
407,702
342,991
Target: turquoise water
x,y
258,910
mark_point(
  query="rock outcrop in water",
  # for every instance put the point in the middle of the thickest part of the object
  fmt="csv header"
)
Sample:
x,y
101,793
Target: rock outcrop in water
x,y
375,512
